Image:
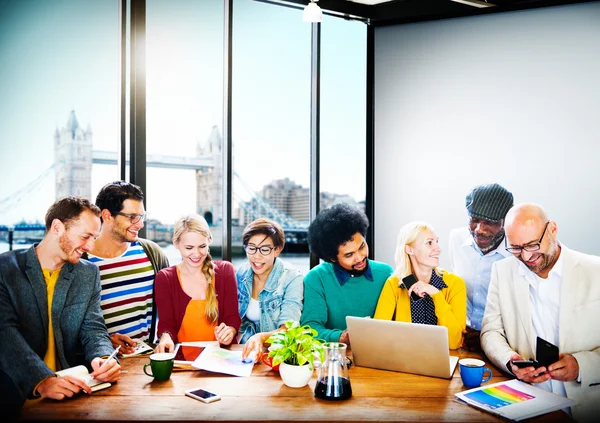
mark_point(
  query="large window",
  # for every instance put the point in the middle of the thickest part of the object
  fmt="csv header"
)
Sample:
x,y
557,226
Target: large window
x,y
61,96
184,106
59,107
271,123
343,116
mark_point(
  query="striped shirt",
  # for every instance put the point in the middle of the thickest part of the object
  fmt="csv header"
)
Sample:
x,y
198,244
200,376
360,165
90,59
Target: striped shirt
x,y
126,299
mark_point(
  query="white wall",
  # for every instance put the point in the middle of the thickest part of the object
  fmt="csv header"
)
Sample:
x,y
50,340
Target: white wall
x,y
512,98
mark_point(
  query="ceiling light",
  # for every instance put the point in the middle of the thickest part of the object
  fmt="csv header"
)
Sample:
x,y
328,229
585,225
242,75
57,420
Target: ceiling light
x,y
475,3
312,12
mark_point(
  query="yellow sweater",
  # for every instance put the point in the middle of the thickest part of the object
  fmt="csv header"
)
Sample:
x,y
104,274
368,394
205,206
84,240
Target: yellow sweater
x,y
450,306
51,276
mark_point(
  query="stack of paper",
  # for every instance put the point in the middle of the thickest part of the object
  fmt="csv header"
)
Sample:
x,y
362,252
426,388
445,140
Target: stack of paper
x,y
140,348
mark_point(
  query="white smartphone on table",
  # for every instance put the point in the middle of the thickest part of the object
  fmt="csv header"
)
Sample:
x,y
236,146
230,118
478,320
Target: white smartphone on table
x,y
202,395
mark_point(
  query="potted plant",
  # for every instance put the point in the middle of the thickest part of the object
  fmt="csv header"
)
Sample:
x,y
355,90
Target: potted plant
x,y
294,349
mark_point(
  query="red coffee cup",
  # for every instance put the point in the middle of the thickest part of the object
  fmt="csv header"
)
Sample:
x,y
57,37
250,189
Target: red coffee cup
x,y
269,361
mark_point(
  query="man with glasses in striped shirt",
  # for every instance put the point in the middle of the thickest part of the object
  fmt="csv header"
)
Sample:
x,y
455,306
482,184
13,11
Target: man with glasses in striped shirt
x,y
128,265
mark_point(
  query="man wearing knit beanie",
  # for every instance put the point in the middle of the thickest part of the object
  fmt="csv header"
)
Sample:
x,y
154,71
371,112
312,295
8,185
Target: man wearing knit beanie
x,y
475,248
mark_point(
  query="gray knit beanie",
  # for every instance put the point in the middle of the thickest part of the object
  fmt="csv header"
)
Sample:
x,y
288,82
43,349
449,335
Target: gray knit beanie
x,y
490,202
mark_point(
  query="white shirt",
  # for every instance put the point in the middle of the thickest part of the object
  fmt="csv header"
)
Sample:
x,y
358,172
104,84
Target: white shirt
x,y
253,311
468,262
544,299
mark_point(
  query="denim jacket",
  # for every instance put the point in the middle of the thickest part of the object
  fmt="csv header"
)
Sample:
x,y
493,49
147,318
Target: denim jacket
x,y
280,300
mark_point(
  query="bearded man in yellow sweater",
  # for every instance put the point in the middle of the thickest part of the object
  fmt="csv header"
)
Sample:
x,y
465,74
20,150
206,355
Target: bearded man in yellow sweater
x,y
50,311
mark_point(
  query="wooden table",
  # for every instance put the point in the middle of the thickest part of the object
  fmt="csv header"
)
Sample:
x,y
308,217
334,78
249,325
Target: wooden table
x,y
377,395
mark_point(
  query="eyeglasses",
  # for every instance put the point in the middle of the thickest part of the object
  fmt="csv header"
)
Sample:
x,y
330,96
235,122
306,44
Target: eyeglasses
x,y
265,250
534,246
134,218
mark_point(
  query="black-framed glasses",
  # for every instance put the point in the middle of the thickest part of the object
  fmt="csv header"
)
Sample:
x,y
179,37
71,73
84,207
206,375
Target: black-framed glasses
x,y
529,247
134,218
265,250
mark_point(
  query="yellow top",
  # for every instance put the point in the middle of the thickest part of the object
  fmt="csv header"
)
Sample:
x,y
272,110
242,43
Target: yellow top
x,y
450,305
51,276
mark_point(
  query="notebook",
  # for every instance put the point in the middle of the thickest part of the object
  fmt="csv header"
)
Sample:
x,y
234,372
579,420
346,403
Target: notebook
x,y
401,347
81,372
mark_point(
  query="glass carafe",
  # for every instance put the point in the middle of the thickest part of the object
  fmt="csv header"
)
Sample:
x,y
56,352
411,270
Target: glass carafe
x,y
333,382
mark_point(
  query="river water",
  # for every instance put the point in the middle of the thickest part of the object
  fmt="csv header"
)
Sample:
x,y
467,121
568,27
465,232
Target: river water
x,y
299,261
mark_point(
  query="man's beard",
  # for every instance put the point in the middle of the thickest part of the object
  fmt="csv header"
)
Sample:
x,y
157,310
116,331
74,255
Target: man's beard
x,y
67,247
361,271
122,237
546,261
494,243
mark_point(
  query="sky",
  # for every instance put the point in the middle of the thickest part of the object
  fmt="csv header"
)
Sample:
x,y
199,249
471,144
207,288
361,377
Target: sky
x,y
63,55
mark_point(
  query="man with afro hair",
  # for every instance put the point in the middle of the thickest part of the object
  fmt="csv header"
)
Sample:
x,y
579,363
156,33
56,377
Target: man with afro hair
x,y
347,283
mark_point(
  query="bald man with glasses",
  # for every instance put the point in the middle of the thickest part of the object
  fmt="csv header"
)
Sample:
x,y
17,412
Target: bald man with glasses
x,y
549,291
128,265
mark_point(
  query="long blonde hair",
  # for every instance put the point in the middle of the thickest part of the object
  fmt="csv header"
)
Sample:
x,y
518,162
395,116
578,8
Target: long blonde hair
x,y
408,234
196,223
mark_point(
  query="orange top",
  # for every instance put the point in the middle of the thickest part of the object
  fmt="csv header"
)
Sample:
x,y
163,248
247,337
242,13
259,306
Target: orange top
x,y
195,326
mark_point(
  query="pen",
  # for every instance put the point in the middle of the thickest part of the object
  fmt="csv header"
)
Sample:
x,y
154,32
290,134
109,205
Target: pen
x,y
112,355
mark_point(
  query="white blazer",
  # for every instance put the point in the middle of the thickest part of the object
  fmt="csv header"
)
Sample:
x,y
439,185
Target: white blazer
x,y
507,325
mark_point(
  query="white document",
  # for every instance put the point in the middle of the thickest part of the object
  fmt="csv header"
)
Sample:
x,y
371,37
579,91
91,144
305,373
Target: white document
x,y
81,372
215,359
514,400
140,348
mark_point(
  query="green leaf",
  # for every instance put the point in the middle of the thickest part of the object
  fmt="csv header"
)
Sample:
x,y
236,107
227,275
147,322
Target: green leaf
x,y
295,345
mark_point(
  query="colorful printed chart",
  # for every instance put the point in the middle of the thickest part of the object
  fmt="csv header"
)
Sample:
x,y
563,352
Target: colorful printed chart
x,y
514,400
498,396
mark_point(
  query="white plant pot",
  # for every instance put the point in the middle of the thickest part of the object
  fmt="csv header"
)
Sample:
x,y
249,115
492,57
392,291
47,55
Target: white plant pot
x,y
295,376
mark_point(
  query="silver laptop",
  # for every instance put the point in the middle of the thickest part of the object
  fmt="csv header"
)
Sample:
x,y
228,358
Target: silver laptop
x,y
401,347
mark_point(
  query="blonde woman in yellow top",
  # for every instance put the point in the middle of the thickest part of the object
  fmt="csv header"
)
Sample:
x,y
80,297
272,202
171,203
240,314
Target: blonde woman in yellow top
x,y
440,298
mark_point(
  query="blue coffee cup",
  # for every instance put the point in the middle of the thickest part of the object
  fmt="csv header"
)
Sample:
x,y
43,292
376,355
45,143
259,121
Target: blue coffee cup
x,y
472,372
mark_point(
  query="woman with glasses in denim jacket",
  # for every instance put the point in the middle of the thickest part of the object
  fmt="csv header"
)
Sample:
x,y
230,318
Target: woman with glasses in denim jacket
x,y
270,291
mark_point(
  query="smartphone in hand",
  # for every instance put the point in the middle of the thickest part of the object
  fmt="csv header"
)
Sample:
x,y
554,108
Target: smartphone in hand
x,y
521,364
545,352
409,281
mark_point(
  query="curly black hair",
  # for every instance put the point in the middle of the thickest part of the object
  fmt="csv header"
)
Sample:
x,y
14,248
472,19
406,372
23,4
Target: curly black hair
x,y
333,227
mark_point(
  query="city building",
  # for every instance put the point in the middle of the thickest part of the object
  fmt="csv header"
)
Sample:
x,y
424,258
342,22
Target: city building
x,y
73,159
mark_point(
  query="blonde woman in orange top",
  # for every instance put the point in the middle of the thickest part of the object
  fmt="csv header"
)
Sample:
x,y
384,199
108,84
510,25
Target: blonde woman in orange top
x,y
196,299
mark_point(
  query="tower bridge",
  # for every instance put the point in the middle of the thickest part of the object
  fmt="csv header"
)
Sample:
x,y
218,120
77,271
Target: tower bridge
x,y
72,169
202,164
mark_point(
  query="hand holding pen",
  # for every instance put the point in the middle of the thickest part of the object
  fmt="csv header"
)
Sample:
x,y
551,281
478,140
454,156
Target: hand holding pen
x,y
106,370
127,344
